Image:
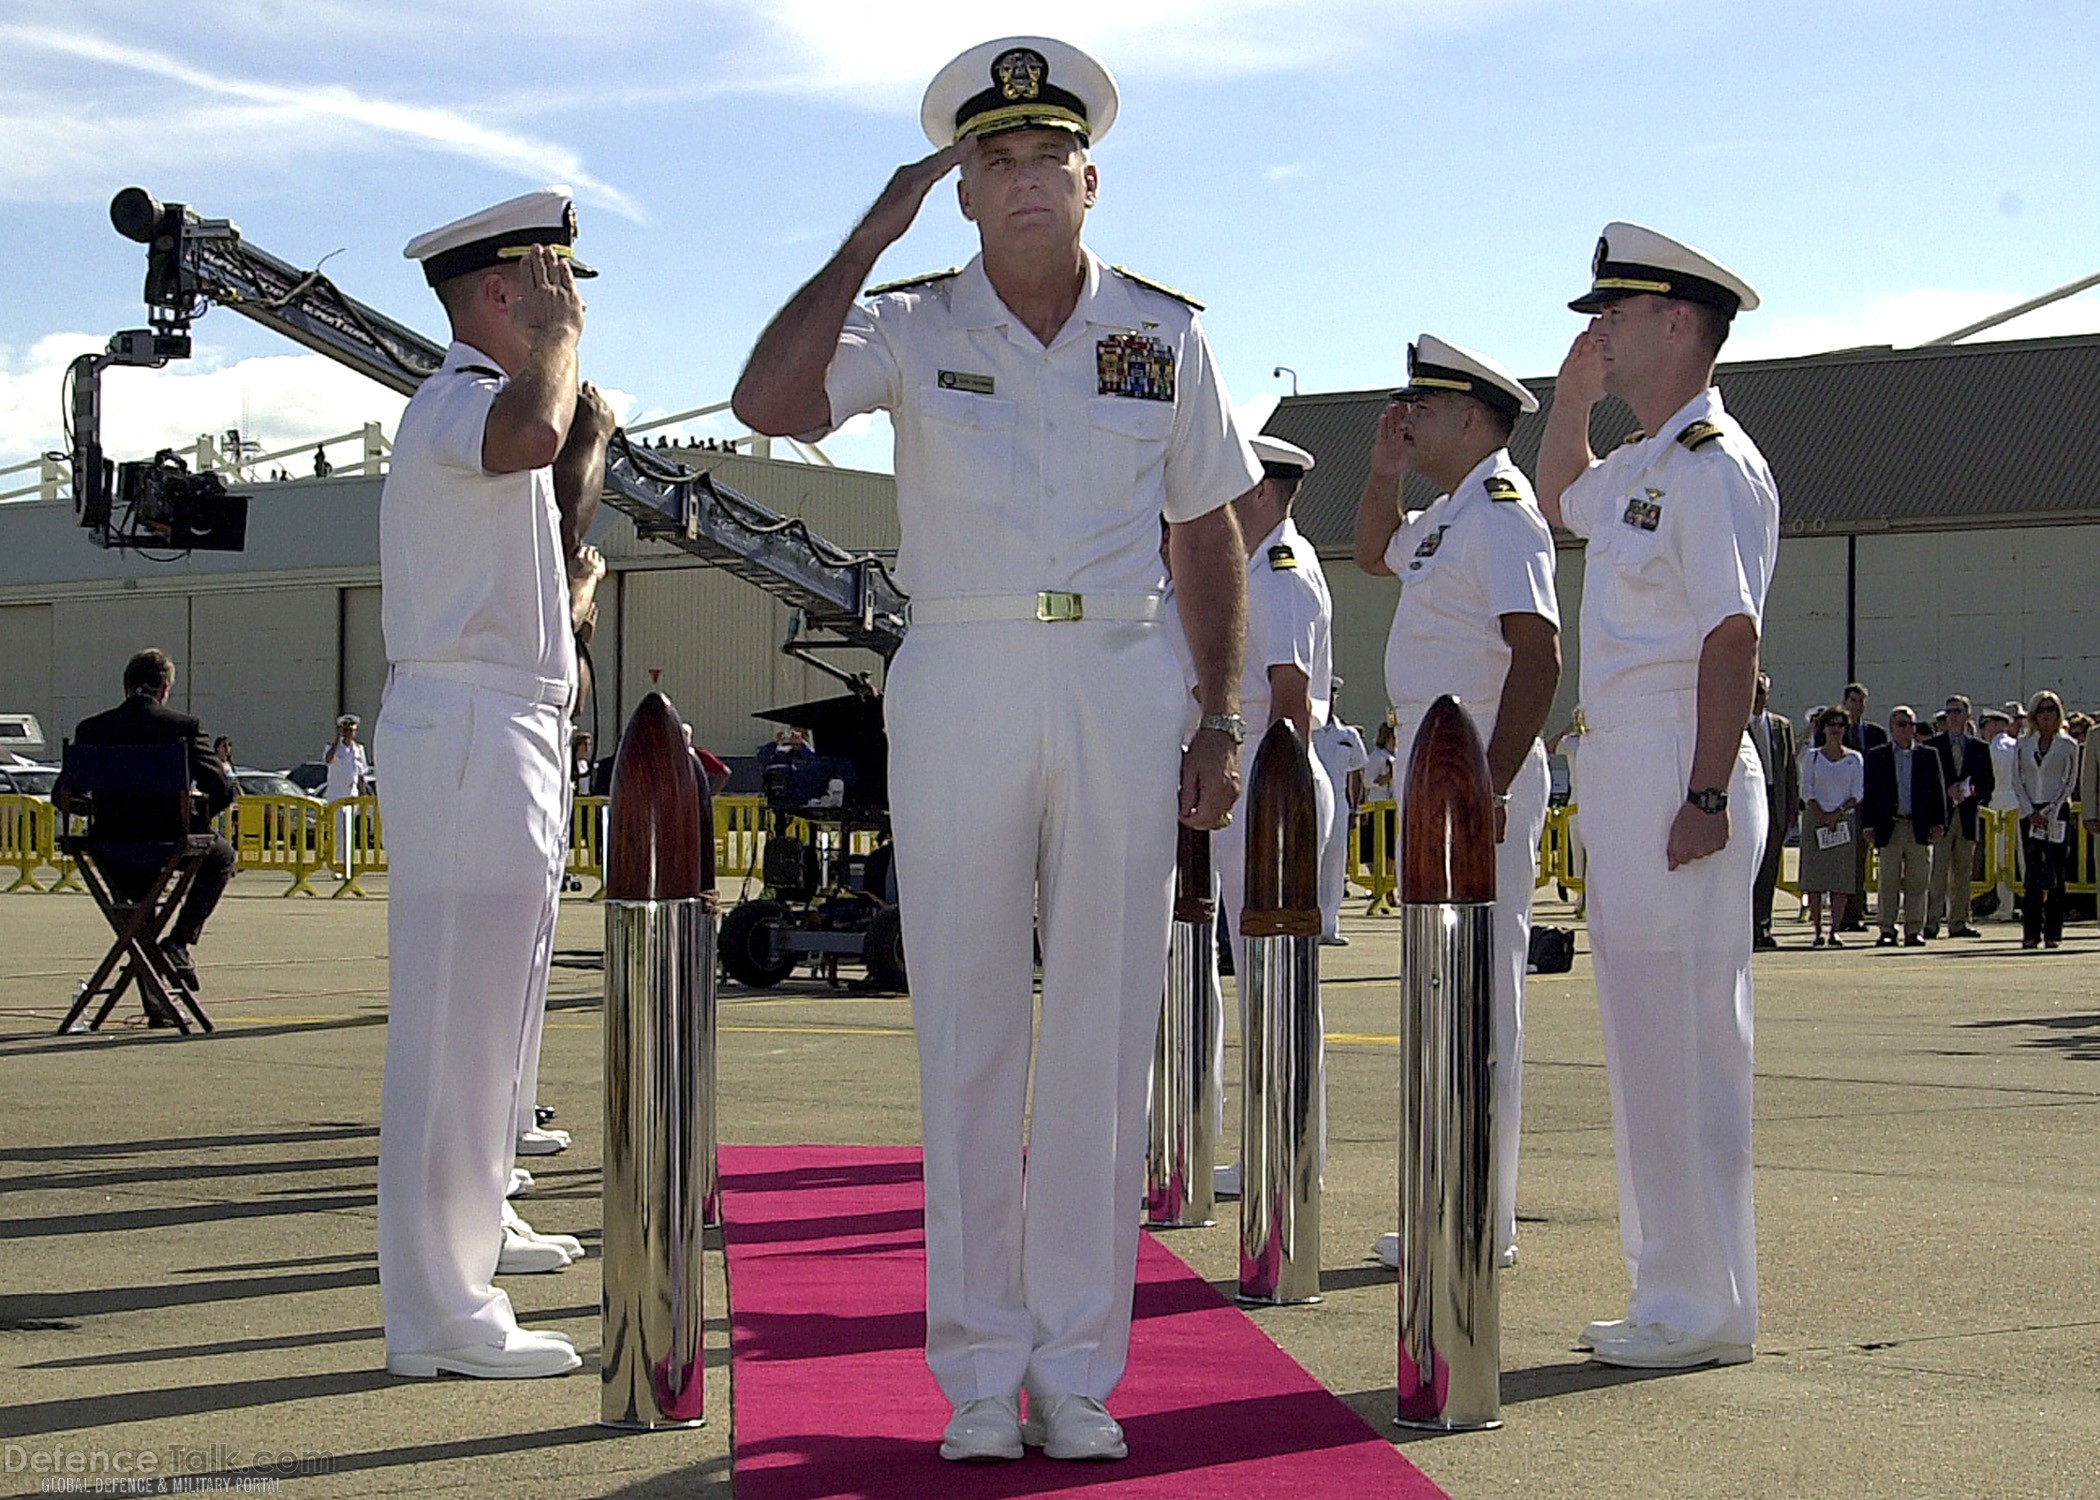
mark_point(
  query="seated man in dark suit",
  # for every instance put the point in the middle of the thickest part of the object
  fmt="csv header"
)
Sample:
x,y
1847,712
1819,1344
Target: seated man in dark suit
x,y
144,718
1904,813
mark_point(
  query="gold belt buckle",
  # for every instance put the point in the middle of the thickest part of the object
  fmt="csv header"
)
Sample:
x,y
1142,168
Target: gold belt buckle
x,y
1054,605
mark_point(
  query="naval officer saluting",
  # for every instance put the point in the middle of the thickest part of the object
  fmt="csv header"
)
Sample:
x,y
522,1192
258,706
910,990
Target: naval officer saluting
x,y
1477,617
1683,528
472,731
1049,410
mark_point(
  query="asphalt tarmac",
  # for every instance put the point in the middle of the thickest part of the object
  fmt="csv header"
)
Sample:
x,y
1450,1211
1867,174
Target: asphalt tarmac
x,y
189,1283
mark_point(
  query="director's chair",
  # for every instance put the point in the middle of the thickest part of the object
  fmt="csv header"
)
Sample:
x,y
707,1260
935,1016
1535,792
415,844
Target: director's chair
x,y
123,791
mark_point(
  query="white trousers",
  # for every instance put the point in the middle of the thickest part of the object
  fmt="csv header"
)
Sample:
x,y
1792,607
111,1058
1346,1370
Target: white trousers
x,y
1672,955
472,805
1334,859
1033,779
1516,878
542,971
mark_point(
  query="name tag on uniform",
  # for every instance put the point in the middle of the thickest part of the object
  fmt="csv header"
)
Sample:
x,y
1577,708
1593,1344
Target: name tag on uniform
x,y
1645,514
962,380
1135,365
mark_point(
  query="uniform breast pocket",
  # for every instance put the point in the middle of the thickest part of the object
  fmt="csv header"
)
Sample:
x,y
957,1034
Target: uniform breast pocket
x,y
1126,446
1641,574
966,445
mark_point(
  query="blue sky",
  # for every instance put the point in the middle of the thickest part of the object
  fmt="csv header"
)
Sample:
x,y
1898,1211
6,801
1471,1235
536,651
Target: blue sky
x,y
1330,176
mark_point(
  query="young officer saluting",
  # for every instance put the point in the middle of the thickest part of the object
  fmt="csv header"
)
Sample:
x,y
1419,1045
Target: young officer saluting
x,y
1477,617
1683,528
1049,411
473,730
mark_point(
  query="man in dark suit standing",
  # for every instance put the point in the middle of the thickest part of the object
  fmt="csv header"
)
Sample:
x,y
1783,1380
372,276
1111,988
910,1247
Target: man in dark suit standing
x,y
144,718
1862,736
1773,735
1905,814
1971,782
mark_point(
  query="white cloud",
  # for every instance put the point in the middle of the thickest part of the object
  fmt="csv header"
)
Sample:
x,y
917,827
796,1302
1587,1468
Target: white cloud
x,y
55,131
282,401
1908,318
1284,173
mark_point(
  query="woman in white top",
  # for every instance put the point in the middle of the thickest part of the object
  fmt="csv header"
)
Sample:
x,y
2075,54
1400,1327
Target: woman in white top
x,y
1833,779
2046,779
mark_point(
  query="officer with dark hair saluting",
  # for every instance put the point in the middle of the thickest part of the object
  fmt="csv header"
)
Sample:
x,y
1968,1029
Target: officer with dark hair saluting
x,y
1049,410
495,452
1683,528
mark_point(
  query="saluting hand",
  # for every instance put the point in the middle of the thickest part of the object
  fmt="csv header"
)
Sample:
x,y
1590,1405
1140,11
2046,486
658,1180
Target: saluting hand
x,y
1389,447
548,304
898,205
1581,379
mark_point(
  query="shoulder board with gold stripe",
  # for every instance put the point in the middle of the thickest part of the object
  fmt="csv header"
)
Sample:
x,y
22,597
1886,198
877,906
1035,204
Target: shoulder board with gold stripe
x,y
1158,286
1698,435
1502,487
479,370
1282,559
911,281
1635,436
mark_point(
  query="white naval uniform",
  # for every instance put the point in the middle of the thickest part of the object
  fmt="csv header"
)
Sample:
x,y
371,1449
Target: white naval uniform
x,y
1339,748
473,731
1681,538
1290,623
1463,563
1034,769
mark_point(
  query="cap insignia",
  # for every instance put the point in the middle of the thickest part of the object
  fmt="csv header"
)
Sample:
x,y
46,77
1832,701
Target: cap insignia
x,y
1020,74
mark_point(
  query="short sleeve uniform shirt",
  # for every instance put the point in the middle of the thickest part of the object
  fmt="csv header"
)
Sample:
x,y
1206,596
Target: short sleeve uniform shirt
x,y
1022,467
1479,553
1682,535
1290,623
470,562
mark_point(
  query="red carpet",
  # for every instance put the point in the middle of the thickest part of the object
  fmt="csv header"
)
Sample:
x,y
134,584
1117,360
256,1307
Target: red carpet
x,y
827,1277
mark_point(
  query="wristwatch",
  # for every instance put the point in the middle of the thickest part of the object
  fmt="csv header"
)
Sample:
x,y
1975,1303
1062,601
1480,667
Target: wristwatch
x,y
1232,726
1711,801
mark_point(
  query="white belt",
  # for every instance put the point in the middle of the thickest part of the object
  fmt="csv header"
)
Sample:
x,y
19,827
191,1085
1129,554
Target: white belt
x,y
515,681
1051,605
1679,705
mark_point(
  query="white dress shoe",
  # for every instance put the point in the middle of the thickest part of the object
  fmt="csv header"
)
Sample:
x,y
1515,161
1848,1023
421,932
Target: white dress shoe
x,y
1657,1346
1507,1258
986,1430
542,1142
1225,1181
521,1256
568,1244
1333,940
1387,1248
522,1355
521,1183
1596,1333
1073,1427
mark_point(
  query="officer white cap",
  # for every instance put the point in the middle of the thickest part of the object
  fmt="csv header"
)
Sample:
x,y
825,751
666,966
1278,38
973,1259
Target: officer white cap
x,y
1019,83
347,721
1280,460
1632,261
496,236
1433,364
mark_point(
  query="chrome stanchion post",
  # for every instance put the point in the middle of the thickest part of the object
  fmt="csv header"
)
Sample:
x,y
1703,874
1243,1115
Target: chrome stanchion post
x,y
1450,1337
1282,1098
659,1075
1181,1145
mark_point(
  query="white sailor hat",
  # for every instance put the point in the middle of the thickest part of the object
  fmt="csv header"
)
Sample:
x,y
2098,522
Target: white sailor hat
x,y
1019,83
496,236
1280,460
1631,261
1435,365
347,721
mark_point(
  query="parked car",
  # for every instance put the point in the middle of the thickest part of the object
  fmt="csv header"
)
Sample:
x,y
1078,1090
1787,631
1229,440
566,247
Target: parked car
x,y
312,776
28,780
268,784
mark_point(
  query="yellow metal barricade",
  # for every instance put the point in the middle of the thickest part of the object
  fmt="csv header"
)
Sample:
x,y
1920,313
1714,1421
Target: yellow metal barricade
x,y
352,843
1373,840
1558,864
28,834
740,834
282,834
587,841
